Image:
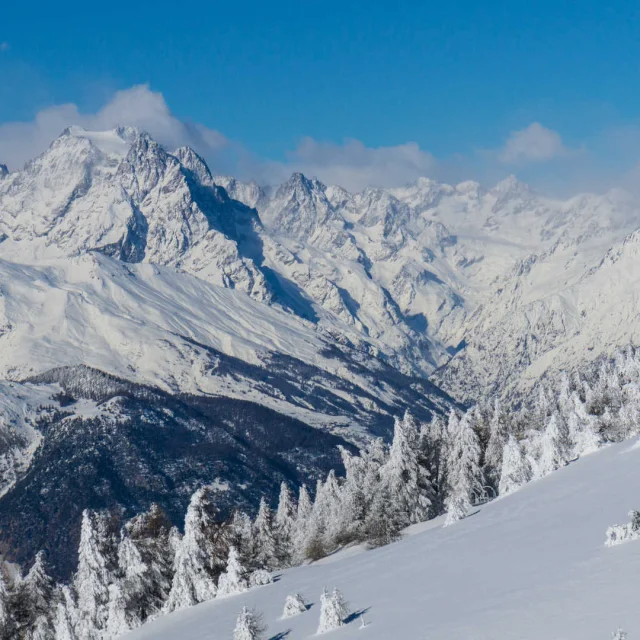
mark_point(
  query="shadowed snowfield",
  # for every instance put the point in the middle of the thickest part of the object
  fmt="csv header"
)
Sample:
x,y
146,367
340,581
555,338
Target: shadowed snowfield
x,y
530,566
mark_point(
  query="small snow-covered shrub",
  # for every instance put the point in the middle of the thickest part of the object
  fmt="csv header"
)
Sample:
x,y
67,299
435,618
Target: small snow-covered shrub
x,y
333,611
249,625
293,606
259,578
619,533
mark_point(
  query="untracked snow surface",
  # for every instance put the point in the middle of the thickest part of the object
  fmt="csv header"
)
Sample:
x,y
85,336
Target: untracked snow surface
x,y
530,566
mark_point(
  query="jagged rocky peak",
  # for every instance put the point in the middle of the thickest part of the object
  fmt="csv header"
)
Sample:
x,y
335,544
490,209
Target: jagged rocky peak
x,y
299,206
195,164
249,193
4,171
379,206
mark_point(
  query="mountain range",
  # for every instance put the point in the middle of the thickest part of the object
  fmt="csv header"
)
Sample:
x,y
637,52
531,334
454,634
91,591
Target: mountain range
x,y
161,326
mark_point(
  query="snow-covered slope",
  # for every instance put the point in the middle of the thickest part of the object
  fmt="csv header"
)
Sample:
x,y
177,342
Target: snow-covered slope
x,y
528,566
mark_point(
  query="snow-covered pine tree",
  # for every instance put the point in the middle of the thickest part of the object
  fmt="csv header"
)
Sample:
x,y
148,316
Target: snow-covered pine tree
x,y
556,445
541,409
301,527
515,468
284,525
431,447
333,611
39,587
30,602
464,475
582,428
194,579
249,625
241,534
234,579
145,565
619,634
96,571
120,618
329,512
353,502
294,605
65,615
407,481
263,538
498,436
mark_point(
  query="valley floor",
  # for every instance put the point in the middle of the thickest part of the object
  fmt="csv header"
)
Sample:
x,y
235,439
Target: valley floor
x,y
529,566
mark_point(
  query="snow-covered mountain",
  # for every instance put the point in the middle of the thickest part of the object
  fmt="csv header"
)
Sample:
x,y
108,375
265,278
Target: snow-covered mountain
x,y
326,307
509,282
122,261
513,284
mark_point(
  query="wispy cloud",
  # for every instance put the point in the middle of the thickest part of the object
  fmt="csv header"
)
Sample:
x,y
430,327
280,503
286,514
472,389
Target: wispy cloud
x,y
138,107
355,166
538,154
5,46
535,143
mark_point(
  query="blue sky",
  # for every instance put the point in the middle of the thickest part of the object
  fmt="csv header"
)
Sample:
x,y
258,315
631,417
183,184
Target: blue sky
x,y
457,79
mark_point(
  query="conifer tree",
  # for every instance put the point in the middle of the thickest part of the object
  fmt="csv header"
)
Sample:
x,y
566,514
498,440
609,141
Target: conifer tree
x,y
96,571
432,449
582,429
233,580
121,618
301,527
249,625
241,535
498,436
327,512
263,537
619,634
65,616
515,468
145,564
555,445
354,502
284,525
464,475
195,570
39,587
407,481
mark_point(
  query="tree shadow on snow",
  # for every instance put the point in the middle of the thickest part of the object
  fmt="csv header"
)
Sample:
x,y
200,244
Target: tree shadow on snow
x,y
281,635
355,615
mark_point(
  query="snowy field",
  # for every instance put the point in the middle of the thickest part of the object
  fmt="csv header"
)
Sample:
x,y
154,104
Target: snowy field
x,y
530,566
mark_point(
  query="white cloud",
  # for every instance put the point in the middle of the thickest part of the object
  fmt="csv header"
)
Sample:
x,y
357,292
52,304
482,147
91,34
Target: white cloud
x,y
533,144
139,107
355,166
352,164
5,46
